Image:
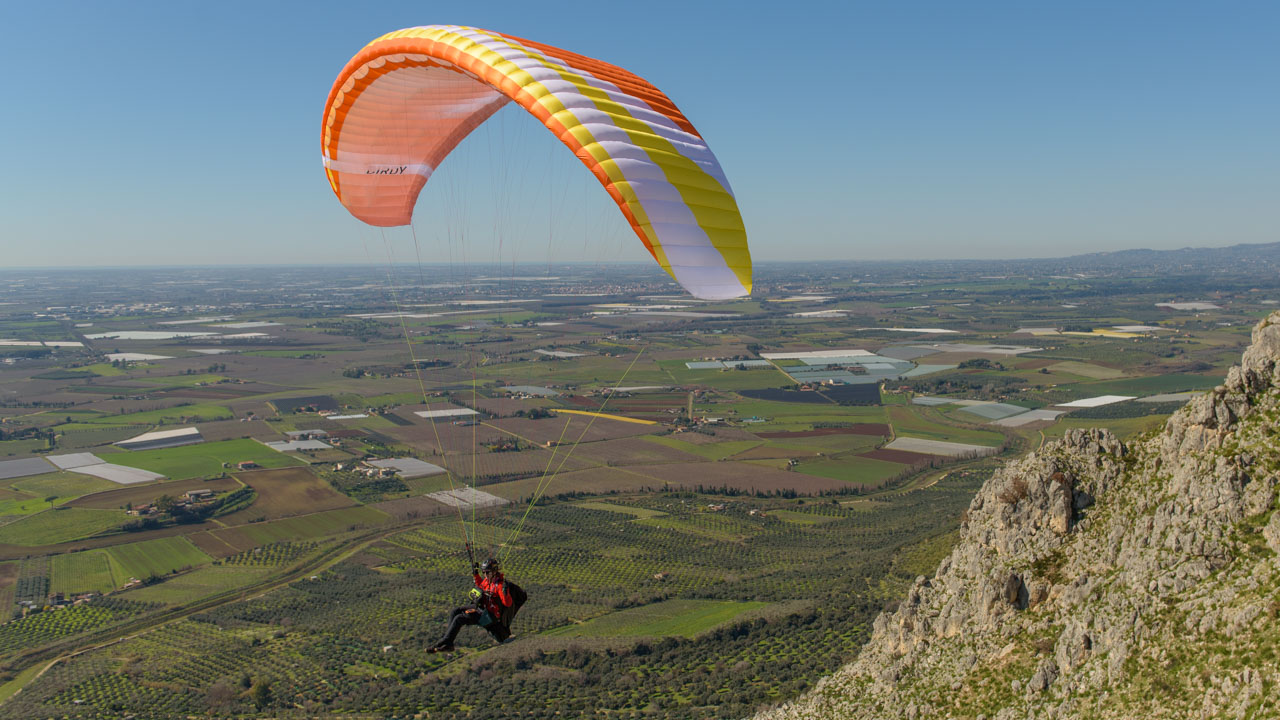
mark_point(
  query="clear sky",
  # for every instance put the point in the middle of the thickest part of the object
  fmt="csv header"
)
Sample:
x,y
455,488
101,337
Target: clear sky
x,y
188,133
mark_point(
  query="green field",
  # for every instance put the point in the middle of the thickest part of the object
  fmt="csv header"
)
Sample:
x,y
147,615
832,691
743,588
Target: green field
x,y
632,510
587,371
404,398
295,354
314,525
60,525
198,583
1122,427
753,379
429,484
23,506
1088,370
706,527
182,380
104,370
802,518
829,444
917,421
795,412
679,575
684,618
88,571
1152,385
783,416
204,459
853,469
64,485
154,557
710,451
21,447
180,414
92,436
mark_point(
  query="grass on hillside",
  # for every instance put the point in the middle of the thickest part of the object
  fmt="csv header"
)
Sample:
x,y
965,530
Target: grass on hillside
x,y
1122,427
685,618
923,557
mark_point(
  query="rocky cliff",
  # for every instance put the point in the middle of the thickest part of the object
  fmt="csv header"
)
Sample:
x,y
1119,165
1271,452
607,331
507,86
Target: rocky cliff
x,y
1099,579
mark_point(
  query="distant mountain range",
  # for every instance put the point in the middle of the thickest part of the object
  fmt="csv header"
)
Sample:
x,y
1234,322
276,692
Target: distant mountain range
x,y
1203,259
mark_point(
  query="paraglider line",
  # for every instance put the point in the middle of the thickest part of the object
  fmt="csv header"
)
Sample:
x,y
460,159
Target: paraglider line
x,y
545,482
422,390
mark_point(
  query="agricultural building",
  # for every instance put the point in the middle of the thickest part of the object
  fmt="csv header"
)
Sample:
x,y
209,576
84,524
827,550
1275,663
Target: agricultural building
x,y
729,365
531,390
467,498
10,469
72,461
121,474
407,468
309,403
90,464
306,434
451,412
162,439
1098,401
295,445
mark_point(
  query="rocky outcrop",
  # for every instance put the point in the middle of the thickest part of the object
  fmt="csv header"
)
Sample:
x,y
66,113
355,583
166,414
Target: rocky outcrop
x,y
1095,579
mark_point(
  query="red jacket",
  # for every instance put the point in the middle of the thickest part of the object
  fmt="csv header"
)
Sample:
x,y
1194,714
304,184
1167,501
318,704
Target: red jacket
x,y
498,596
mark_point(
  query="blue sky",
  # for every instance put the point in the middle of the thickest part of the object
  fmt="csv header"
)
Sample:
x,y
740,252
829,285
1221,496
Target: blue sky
x,y
188,133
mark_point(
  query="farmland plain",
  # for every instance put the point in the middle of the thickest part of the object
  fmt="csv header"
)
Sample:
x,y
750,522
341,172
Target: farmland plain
x,y
711,561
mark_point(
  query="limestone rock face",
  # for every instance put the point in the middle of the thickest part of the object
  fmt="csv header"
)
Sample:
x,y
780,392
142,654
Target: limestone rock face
x,y
1098,580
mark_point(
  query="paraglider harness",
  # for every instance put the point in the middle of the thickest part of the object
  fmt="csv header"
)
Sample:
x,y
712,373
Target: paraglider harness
x,y
499,627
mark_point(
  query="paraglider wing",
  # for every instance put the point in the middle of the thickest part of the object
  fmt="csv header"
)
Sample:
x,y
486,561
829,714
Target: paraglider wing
x,y
403,103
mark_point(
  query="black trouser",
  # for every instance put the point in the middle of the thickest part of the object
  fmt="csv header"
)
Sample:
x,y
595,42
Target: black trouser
x,y
465,615
471,615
